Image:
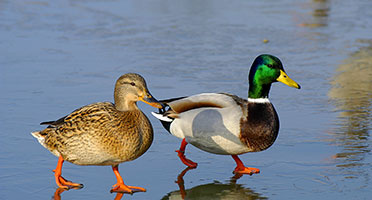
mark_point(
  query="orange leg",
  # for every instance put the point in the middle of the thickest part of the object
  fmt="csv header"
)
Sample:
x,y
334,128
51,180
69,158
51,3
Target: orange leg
x,y
121,187
241,169
181,154
61,182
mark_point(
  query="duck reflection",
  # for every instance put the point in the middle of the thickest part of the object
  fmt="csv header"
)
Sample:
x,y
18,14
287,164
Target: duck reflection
x,y
215,190
319,14
352,95
59,191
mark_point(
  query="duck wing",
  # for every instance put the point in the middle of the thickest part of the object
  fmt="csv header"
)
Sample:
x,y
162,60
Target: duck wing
x,y
81,114
176,106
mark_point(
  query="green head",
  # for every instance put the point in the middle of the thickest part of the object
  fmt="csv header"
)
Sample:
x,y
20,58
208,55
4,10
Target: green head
x,y
267,69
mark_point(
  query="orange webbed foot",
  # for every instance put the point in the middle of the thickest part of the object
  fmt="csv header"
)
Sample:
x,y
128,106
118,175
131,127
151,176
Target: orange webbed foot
x,y
65,184
186,161
246,170
122,188
60,181
241,169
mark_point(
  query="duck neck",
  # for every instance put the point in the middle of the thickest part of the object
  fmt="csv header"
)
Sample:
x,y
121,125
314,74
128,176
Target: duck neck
x,y
125,106
258,91
122,103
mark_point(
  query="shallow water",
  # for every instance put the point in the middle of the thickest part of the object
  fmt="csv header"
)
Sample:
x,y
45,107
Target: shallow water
x,y
58,56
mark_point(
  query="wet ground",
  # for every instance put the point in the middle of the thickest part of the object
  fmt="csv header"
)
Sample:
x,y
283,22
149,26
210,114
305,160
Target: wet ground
x,y
57,56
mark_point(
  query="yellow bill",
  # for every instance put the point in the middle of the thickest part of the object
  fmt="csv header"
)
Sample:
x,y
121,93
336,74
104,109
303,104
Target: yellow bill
x,y
284,78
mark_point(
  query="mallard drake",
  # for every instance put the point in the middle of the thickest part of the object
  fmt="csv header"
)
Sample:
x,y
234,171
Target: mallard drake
x,y
103,133
226,124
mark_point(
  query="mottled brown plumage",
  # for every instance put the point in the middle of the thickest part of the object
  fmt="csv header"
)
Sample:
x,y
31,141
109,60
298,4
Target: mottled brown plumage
x,y
99,134
104,133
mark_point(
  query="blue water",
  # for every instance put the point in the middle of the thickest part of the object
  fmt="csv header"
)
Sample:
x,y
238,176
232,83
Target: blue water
x,y
58,56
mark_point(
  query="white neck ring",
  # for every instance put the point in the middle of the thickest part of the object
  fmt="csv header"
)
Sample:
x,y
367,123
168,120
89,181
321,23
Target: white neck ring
x,y
258,100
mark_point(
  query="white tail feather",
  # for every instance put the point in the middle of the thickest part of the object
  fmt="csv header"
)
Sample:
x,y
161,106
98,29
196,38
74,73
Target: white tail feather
x,y
162,117
39,138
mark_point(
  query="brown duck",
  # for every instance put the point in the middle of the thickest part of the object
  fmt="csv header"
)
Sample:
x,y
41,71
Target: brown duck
x,y
103,133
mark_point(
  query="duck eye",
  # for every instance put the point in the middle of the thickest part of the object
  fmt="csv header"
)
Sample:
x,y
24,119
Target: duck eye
x,y
132,84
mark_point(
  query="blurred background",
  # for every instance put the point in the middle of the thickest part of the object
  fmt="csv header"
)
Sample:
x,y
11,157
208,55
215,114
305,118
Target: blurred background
x,y
56,56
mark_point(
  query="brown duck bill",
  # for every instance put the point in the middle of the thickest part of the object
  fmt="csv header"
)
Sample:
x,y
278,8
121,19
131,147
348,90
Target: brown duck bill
x,y
149,99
